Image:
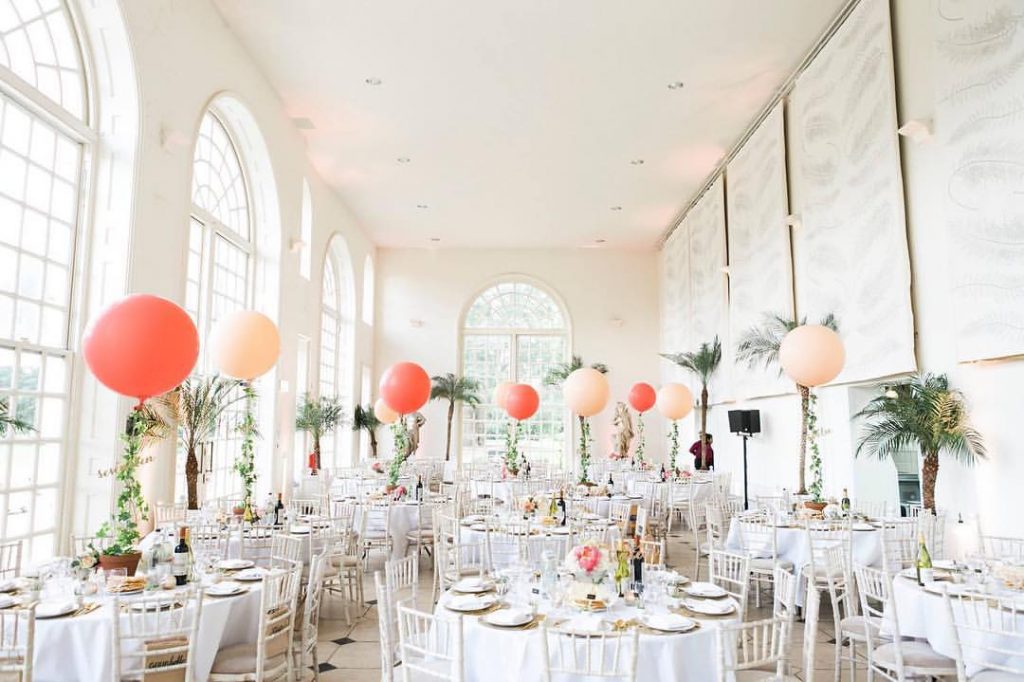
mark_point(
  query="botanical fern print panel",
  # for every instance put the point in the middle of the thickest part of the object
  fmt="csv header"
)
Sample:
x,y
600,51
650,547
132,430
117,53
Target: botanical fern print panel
x,y
760,269
980,126
851,252
675,300
709,289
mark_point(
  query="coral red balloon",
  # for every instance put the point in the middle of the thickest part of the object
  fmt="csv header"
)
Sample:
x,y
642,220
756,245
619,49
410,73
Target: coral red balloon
x,y
642,396
405,387
521,401
141,346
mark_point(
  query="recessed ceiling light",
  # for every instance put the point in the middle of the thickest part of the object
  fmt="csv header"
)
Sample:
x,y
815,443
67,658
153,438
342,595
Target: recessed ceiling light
x,y
422,206
435,239
616,208
600,241
403,159
676,85
303,123
373,81
637,162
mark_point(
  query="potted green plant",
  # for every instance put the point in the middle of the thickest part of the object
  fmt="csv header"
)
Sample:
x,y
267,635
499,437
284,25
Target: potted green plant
x,y
759,346
702,363
10,422
920,411
318,417
556,376
363,419
195,408
454,389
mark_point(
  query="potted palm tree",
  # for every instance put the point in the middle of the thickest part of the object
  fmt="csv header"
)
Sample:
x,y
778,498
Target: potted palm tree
x,y
10,422
195,408
702,363
318,417
363,419
759,346
556,376
455,390
920,411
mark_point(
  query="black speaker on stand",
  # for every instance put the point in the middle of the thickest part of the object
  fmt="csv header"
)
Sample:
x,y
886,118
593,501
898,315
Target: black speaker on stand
x,y
745,423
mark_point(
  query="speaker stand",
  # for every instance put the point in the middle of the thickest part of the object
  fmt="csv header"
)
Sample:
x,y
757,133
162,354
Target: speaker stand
x,y
746,503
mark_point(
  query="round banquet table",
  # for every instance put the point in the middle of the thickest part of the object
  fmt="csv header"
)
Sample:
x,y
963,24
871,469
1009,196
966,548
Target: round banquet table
x,y
79,648
922,615
495,655
793,546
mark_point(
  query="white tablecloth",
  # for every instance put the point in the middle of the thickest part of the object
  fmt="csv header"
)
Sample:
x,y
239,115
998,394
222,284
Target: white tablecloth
x,y
79,649
494,655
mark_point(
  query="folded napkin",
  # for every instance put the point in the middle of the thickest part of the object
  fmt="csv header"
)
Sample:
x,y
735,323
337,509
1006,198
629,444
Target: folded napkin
x,y
8,585
668,621
584,622
53,608
709,607
7,601
510,616
469,602
467,584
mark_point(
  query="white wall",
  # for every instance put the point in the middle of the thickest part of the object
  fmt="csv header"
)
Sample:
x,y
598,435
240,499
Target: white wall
x,y
434,286
992,388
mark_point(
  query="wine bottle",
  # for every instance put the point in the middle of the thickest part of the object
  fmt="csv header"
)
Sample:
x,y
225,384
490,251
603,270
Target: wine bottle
x,y
845,502
561,507
419,488
180,564
247,515
552,507
924,561
278,510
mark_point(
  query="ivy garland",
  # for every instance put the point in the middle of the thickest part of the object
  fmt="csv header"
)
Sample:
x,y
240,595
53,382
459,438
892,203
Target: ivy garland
x,y
673,437
512,457
639,455
245,463
584,450
400,436
123,528
813,432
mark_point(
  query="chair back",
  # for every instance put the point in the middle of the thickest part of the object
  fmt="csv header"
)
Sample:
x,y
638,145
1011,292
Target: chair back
x,y
17,641
784,600
81,544
731,572
166,513
760,644
155,637
875,589
430,646
310,626
873,509
256,545
387,627
933,527
402,577
592,655
10,560
209,538
811,614
758,537
305,506
989,634
278,605
286,551
821,535
899,544
653,552
1001,547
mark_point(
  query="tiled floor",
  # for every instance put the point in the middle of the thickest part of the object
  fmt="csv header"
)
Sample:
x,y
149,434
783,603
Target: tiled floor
x,y
352,653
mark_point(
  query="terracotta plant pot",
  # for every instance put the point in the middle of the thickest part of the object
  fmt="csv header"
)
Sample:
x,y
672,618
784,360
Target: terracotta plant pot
x,y
816,506
128,561
390,489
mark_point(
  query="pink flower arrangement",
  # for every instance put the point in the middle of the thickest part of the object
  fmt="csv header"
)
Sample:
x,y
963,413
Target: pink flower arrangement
x,y
399,492
685,473
587,559
529,505
377,467
617,457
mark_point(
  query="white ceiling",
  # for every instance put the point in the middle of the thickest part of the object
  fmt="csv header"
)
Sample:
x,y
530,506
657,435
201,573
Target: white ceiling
x,y
520,118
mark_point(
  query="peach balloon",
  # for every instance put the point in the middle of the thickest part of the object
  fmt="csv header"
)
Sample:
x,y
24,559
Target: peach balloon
x,y
501,393
384,413
586,391
812,355
674,401
246,345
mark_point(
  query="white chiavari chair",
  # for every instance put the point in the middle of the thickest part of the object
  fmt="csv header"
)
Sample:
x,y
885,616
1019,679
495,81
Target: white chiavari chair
x,y
784,595
722,480
1001,547
80,544
698,526
305,506
896,659
398,583
269,658
679,500
821,536
453,558
604,655
772,503
304,642
255,545
899,544
989,636
17,642
421,538
582,506
717,525
536,546
835,573
209,538
156,636
286,551
619,512
10,560
343,573
758,539
653,552
810,637
430,646
932,527
749,651
873,509
504,549
402,577
168,513
731,572
376,530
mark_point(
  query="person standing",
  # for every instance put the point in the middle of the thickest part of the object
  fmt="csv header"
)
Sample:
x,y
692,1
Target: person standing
x,y
695,450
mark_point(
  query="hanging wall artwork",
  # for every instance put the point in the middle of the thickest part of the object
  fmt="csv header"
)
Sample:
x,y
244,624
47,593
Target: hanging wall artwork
x,y
850,254
760,268
979,122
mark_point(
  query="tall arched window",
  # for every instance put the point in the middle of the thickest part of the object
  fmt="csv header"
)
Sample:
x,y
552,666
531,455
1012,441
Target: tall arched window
x,y
514,331
45,141
368,290
337,310
220,272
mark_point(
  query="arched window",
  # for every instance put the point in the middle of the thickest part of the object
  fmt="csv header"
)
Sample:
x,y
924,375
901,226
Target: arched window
x,y
44,153
220,272
514,331
306,254
368,293
337,308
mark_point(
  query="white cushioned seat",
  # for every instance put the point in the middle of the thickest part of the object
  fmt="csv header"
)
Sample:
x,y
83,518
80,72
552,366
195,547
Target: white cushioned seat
x,y
996,676
241,658
346,561
767,565
854,626
915,655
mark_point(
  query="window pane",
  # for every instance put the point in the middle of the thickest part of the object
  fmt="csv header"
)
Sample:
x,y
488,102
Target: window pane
x,y
514,305
218,185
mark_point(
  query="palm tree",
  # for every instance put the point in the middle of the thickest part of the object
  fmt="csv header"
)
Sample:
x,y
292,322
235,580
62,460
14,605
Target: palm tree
x,y
760,346
455,390
702,364
556,376
196,407
922,411
10,421
318,417
363,419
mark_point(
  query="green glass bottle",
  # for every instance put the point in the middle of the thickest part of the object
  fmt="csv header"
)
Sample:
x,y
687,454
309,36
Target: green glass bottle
x,y
924,559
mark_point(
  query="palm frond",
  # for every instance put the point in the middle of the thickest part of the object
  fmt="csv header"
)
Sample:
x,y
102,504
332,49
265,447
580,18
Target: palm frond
x,y
703,362
455,389
364,419
319,416
10,421
557,375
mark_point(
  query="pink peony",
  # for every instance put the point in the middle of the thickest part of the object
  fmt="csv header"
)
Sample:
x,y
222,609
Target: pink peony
x,y
588,557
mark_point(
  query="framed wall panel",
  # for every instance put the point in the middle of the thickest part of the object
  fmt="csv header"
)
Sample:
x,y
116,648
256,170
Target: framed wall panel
x,y
675,301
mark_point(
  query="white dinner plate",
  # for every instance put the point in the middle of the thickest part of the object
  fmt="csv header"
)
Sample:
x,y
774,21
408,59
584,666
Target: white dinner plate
x,y
7,601
467,603
234,564
9,585
224,589
590,517
669,622
672,577
473,586
709,608
479,526
559,530
300,530
862,526
709,590
55,609
508,618
251,574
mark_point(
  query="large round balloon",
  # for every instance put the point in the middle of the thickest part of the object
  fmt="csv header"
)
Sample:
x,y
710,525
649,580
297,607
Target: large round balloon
x,y
501,393
384,414
586,391
246,345
674,401
812,355
141,346
642,396
522,401
405,387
